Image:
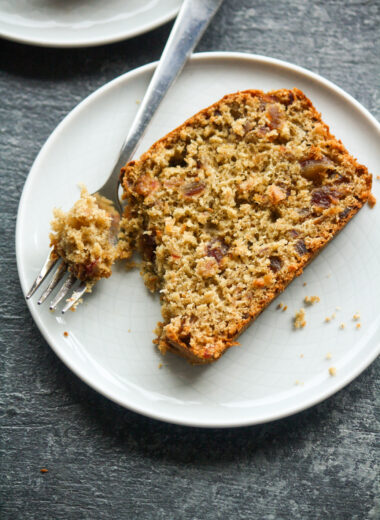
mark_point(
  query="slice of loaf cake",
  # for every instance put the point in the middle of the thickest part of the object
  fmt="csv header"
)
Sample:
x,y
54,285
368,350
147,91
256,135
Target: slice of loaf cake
x,y
228,208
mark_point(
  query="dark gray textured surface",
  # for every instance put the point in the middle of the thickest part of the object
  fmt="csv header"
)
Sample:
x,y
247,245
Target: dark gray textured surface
x,y
106,462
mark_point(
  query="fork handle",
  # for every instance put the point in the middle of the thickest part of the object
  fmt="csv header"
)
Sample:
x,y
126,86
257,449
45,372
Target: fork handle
x,y
188,28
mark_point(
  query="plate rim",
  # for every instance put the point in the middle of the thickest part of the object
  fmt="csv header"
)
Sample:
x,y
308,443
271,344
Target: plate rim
x,y
167,417
91,42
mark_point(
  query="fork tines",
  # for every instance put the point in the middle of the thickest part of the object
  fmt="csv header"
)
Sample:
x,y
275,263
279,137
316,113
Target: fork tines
x,y
46,268
59,273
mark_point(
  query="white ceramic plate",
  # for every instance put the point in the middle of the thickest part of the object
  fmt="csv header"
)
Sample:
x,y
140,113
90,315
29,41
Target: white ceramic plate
x,y
277,371
78,23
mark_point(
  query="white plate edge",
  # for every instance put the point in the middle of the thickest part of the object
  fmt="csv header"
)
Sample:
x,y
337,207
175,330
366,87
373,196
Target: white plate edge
x,y
92,42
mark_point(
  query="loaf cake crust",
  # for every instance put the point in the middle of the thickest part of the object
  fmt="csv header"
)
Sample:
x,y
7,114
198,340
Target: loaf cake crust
x,y
230,207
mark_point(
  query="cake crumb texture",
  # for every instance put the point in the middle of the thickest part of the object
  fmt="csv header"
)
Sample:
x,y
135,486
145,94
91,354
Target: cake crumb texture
x,y
84,237
230,207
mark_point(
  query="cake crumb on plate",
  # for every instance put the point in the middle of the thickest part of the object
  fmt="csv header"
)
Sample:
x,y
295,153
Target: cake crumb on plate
x,y
371,200
299,319
310,300
332,371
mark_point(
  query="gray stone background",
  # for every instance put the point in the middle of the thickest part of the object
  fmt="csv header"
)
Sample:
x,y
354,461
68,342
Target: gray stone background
x,y
106,462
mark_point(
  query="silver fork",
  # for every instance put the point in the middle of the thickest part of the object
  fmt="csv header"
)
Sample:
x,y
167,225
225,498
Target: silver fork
x,y
188,28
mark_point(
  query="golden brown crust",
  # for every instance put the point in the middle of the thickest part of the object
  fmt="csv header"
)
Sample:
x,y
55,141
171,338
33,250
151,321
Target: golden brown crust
x,y
280,128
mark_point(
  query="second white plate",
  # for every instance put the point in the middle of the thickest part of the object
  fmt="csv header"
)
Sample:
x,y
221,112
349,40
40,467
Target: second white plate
x,y
277,370
72,23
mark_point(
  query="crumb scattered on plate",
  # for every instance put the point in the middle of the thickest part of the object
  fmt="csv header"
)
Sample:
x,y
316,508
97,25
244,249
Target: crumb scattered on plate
x,y
371,200
342,326
310,300
356,317
358,325
329,318
299,319
328,355
66,334
332,371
